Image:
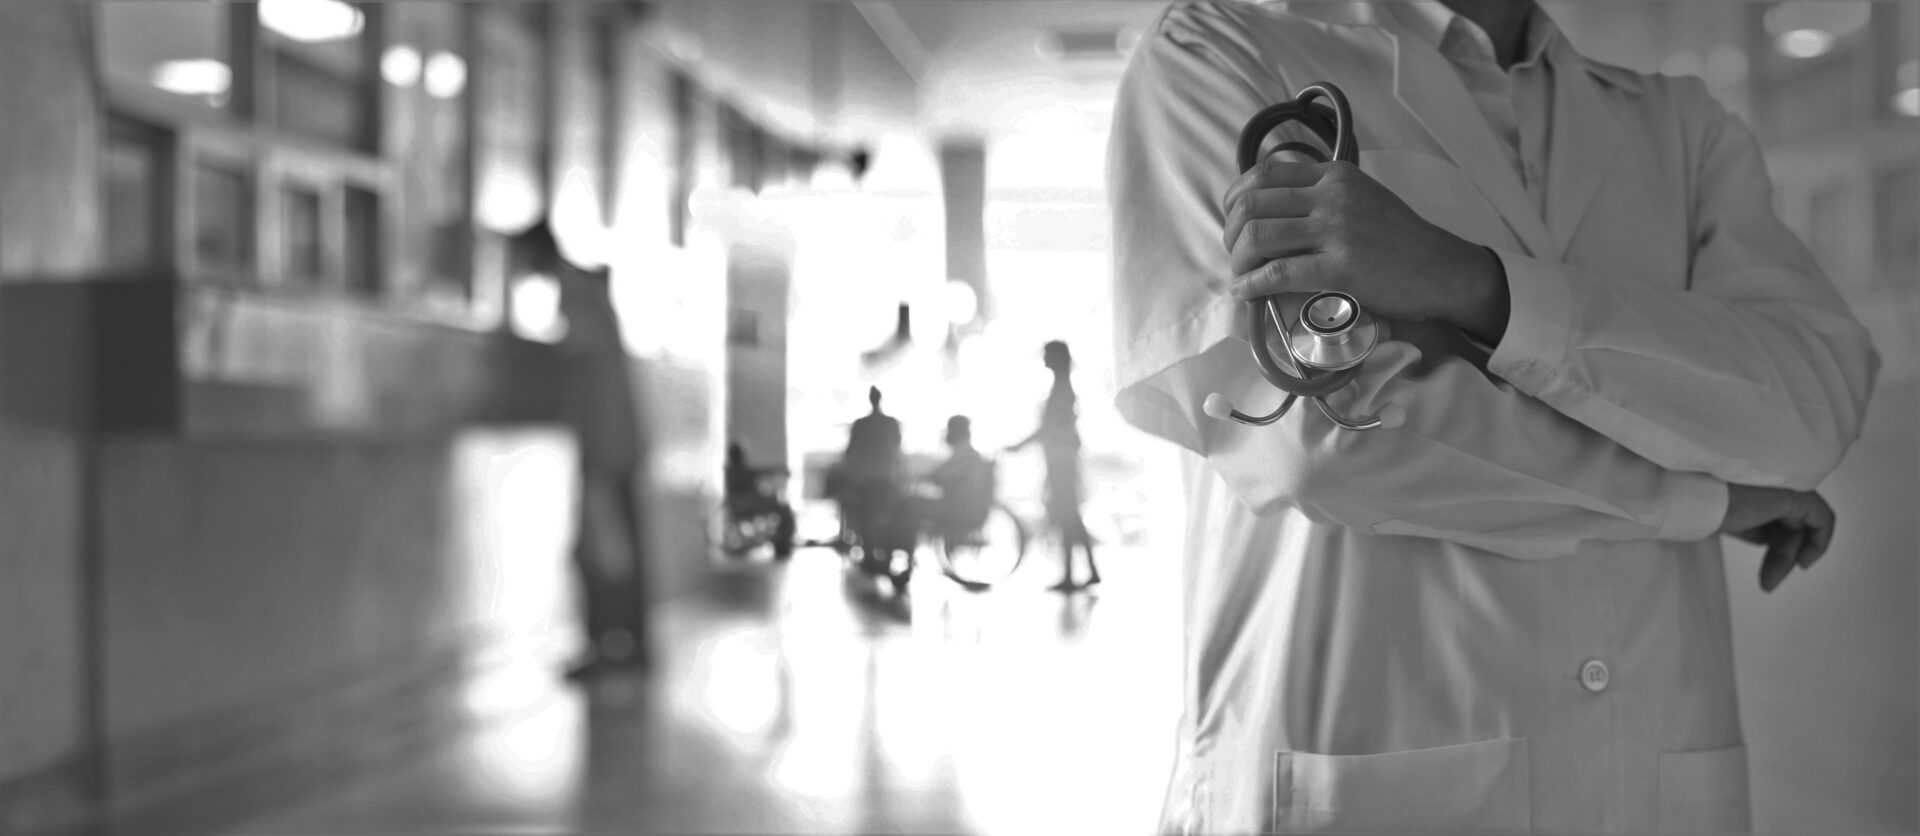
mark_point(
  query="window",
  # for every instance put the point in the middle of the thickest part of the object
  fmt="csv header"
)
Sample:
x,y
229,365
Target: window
x,y
222,217
300,234
318,144
318,58
135,161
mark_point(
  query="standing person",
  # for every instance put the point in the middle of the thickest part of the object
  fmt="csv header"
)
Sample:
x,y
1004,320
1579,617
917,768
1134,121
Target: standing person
x,y
870,469
1509,611
599,405
1059,439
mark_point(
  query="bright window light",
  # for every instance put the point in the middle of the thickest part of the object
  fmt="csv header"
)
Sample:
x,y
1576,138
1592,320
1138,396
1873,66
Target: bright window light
x,y
535,312
312,21
193,77
1805,43
446,75
401,66
960,302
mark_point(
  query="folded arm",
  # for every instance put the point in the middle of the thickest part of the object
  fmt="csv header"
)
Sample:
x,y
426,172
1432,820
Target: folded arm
x,y
1477,461
1756,373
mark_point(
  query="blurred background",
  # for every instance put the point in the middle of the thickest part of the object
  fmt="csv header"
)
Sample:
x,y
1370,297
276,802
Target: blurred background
x,y
301,504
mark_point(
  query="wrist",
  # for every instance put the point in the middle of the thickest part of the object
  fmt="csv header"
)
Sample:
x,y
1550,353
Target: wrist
x,y
1482,303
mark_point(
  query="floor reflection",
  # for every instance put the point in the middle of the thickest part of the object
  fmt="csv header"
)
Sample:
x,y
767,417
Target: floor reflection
x,y
799,698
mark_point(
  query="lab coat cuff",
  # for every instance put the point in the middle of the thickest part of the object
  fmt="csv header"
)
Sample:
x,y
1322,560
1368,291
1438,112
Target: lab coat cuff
x,y
1698,508
1538,323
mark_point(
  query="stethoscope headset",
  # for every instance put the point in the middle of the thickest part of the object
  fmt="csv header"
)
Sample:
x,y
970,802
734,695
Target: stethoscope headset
x,y
1331,336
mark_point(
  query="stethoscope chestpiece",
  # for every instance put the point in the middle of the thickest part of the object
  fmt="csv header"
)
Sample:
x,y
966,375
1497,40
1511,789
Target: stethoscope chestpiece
x,y
1333,333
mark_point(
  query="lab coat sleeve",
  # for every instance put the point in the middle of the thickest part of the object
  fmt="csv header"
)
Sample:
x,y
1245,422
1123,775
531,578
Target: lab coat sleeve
x,y
1476,462
1756,373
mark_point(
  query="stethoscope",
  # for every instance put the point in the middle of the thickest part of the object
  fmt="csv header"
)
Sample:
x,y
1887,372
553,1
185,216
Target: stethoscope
x,y
1329,336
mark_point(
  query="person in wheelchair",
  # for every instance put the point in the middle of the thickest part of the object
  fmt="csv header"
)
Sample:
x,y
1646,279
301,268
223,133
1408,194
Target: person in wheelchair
x,y
750,496
966,485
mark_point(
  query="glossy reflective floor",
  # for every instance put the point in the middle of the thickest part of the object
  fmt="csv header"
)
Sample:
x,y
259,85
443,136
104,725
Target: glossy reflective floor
x,y
799,698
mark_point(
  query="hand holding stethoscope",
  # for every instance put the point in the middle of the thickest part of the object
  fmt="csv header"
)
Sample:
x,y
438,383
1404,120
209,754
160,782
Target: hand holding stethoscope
x,y
1328,337
1331,233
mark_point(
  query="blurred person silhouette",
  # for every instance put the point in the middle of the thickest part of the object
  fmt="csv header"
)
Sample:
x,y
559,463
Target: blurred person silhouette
x,y
965,481
749,495
598,404
1059,440
870,469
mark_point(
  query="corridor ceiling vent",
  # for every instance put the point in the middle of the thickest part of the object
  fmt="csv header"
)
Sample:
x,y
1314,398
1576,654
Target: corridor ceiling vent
x,y
312,21
1811,28
1105,45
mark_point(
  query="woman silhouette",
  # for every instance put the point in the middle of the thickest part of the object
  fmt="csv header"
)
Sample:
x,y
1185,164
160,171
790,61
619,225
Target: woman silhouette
x,y
1060,444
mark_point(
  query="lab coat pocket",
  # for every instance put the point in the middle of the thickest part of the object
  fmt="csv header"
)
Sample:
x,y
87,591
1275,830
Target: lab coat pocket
x,y
1477,787
1704,791
1441,192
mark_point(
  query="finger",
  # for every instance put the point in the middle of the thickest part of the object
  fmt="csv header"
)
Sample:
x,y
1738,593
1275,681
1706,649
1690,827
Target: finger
x,y
1819,537
1264,203
1268,238
1779,560
1275,172
1313,271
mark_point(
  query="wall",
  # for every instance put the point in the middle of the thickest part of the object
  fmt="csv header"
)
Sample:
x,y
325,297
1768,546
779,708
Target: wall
x,y
304,607
48,230
759,282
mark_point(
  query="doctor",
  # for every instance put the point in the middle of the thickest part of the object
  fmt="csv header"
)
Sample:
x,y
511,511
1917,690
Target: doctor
x,y
1509,612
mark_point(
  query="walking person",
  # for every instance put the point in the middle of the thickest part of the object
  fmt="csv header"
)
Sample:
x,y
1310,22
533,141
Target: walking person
x,y
1059,440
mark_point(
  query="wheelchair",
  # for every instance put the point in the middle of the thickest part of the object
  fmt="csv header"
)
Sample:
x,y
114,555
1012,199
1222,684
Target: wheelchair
x,y
749,522
976,544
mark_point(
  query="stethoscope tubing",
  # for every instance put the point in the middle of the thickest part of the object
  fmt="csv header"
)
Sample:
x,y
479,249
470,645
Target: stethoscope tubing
x,y
1333,125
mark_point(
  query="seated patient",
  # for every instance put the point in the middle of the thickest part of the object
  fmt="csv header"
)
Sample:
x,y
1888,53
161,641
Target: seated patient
x,y
965,480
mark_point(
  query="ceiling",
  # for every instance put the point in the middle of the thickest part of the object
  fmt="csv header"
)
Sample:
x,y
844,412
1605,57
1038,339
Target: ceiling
x,y
985,64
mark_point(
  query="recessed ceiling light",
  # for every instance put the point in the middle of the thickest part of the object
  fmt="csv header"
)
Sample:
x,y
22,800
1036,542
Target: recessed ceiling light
x,y
193,77
401,66
312,21
446,75
1804,43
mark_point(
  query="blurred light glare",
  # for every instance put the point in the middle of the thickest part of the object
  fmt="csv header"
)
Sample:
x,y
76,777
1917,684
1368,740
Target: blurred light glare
x,y
401,66
535,311
1805,43
577,225
1836,18
312,21
1907,102
446,75
507,202
193,77
1726,66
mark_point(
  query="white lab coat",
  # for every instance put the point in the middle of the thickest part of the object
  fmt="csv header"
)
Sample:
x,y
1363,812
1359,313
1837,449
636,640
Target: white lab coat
x,y
1510,612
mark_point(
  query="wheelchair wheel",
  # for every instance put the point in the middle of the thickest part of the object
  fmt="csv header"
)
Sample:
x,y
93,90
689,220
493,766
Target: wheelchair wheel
x,y
979,559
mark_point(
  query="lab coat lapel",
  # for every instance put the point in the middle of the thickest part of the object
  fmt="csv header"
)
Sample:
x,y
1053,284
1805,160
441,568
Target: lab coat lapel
x,y
1585,139
1427,86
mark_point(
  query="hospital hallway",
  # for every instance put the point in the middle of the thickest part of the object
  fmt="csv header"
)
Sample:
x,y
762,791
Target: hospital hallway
x,y
802,698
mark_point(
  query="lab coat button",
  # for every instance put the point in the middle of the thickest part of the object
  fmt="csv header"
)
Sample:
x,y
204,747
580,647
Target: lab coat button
x,y
1594,675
